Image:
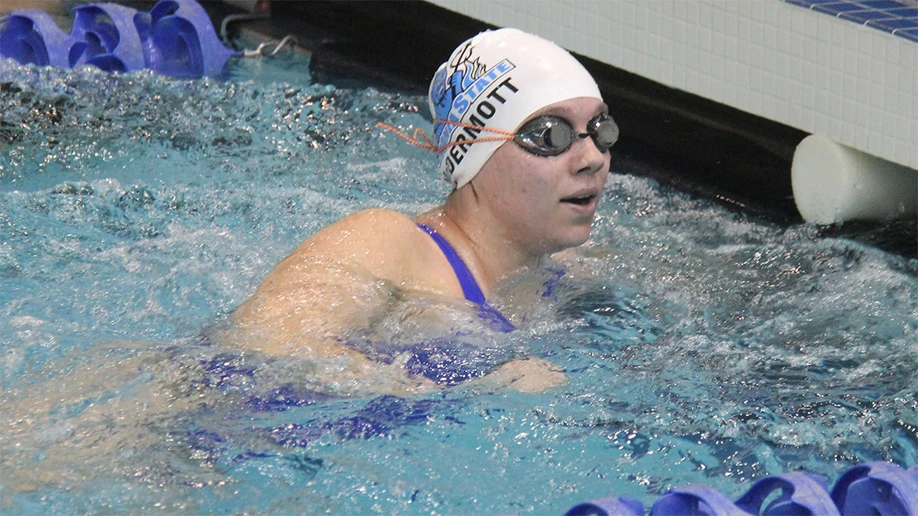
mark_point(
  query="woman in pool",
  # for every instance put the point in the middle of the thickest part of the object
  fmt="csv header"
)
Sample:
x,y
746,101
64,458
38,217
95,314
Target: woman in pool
x,y
522,132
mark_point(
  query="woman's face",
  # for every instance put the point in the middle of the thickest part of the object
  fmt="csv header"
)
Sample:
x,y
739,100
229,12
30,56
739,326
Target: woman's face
x,y
547,203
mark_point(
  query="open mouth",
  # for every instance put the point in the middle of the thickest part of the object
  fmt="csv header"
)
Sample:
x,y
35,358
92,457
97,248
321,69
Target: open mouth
x,y
582,200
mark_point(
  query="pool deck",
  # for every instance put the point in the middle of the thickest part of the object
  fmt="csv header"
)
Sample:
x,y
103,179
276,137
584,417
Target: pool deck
x,y
46,5
58,9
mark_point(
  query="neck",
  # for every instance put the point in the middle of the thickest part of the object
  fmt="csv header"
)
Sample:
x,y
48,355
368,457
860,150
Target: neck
x,y
484,244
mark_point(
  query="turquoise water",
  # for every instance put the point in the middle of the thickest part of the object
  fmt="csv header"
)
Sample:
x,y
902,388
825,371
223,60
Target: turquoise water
x,y
701,345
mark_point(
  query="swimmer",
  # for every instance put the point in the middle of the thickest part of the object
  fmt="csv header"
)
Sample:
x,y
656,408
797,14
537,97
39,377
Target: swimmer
x,y
522,132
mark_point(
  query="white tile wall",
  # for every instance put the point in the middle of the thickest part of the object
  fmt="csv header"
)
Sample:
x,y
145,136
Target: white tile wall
x,y
806,69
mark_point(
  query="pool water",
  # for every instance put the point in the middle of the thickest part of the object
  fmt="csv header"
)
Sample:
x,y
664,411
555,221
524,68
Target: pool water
x,y
701,345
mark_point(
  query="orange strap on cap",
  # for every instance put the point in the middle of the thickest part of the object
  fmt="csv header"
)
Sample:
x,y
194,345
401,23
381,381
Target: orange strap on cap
x,y
428,144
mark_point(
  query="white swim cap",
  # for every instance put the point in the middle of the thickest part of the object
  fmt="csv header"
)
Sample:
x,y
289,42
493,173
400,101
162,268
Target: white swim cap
x,y
497,79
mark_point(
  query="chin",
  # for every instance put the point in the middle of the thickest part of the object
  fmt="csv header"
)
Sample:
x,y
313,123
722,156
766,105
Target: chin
x,y
573,238
580,241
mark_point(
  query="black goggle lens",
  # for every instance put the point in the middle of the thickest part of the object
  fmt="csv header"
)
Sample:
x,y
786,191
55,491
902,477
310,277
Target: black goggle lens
x,y
551,135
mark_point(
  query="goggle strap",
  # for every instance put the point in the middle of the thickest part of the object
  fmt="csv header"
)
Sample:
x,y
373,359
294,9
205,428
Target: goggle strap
x,y
476,140
428,144
509,134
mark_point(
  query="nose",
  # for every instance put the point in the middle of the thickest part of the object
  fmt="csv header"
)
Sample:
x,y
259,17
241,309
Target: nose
x,y
589,159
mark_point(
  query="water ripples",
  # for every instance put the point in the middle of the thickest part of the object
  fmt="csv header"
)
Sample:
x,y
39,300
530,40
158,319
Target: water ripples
x,y
700,344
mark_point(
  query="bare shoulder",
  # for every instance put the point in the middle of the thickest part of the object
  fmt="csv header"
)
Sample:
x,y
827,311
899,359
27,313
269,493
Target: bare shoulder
x,y
378,242
373,225
360,232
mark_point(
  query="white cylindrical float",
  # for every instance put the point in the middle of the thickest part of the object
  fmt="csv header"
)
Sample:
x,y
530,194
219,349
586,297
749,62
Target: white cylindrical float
x,y
834,183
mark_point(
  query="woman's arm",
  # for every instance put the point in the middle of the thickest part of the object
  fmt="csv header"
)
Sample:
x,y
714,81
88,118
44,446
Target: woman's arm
x,y
337,282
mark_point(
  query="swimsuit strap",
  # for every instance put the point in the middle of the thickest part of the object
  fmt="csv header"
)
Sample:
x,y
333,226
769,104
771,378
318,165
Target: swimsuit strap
x,y
470,288
551,283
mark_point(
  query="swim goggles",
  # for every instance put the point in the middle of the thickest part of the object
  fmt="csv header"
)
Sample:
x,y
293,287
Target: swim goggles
x,y
545,136
550,135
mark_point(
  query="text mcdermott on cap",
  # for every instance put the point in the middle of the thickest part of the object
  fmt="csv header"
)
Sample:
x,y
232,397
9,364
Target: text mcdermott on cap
x,y
497,79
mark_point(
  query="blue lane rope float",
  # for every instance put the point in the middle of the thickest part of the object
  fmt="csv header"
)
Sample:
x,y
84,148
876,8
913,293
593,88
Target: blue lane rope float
x,y
801,493
875,488
31,36
175,38
103,35
607,506
182,40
